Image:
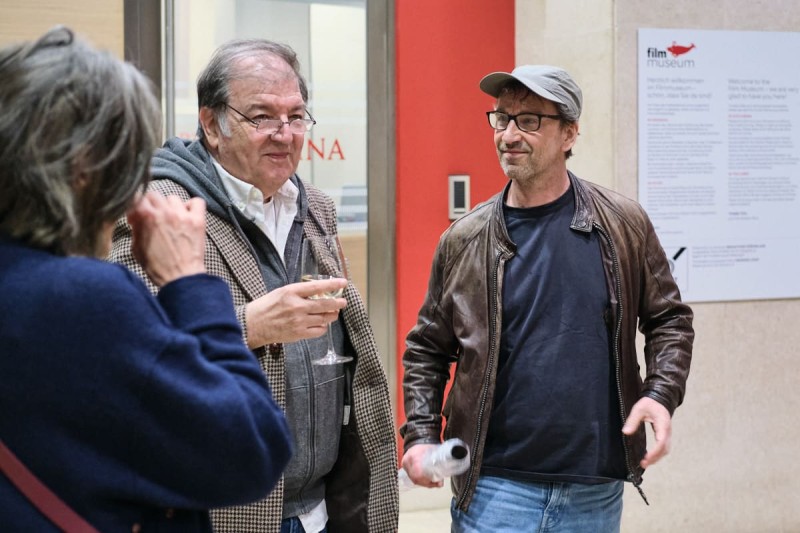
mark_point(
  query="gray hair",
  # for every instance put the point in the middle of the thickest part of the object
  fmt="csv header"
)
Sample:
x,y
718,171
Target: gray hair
x,y
77,130
213,84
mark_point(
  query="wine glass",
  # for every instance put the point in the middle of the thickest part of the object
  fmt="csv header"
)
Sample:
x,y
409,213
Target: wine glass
x,y
322,258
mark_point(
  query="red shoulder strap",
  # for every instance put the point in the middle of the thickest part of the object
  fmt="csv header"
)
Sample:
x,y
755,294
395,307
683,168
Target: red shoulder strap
x,y
43,498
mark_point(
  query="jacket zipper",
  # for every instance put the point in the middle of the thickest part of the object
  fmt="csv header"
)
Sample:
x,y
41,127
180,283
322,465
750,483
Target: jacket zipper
x,y
485,388
306,350
617,329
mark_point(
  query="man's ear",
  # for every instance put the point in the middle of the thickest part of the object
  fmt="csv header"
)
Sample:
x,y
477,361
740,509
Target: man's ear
x,y
210,125
570,136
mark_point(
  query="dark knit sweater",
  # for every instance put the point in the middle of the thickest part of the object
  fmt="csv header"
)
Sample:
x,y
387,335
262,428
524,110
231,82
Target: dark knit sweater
x,y
134,409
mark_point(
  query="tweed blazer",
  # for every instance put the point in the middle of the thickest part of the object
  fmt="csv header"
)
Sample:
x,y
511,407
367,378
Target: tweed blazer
x,y
361,491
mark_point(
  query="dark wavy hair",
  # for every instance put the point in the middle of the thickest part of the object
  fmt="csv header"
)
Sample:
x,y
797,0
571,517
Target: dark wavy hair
x,y
77,130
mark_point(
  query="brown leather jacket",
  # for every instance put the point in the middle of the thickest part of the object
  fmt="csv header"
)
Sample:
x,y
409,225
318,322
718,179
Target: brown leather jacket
x,y
460,322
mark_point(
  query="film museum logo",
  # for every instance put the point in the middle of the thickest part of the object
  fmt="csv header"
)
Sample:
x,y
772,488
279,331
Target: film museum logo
x,y
672,57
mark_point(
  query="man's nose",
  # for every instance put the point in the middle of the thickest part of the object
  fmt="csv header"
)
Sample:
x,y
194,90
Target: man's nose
x,y
282,132
512,131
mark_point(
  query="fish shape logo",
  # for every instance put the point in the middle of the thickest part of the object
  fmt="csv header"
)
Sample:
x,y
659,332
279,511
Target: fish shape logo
x,y
678,50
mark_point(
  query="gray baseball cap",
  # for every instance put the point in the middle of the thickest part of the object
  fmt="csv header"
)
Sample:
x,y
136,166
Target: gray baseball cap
x,y
549,82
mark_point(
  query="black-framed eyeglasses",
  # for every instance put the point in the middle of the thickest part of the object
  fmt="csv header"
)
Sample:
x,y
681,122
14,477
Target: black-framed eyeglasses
x,y
527,122
271,126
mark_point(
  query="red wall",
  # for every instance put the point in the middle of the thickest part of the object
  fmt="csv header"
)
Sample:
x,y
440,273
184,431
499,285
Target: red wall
x,y
443,49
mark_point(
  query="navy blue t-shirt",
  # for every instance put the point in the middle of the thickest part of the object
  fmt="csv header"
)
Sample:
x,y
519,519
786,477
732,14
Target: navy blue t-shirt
x,y
556,409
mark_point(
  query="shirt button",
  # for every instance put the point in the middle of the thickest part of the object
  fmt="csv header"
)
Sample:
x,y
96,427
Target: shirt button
x,y
275,350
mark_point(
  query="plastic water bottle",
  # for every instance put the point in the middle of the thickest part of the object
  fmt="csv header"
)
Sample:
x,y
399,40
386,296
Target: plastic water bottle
x,y
449,458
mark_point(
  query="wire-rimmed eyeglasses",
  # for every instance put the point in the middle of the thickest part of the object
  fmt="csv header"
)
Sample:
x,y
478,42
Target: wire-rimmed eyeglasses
x,y
271,126
527,122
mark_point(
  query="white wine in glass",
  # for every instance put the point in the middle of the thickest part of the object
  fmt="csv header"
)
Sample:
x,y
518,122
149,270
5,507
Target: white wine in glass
x,y
329,295
322,258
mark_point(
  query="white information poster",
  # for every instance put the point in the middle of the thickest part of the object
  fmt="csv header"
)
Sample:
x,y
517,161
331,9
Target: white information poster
x,y
719,159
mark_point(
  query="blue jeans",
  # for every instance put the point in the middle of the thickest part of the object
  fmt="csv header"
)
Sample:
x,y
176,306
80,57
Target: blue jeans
x,y
293,525
504,506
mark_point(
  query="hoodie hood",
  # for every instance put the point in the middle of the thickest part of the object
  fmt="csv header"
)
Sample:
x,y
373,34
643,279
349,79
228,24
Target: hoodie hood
x,y
189,164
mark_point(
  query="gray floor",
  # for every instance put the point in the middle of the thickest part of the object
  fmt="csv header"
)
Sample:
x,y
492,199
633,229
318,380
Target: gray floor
x,y
425,510
428,521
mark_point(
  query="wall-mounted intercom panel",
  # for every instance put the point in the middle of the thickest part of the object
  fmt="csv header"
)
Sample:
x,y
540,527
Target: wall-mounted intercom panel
x,y
458,195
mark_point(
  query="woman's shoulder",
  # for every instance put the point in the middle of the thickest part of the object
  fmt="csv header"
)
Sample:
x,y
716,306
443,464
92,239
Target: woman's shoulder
x,y
46,271
92,273
70,293
84,282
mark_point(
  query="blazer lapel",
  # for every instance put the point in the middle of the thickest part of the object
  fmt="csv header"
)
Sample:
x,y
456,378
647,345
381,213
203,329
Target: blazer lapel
x,y
238,256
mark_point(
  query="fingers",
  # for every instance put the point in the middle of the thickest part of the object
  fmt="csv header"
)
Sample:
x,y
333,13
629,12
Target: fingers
x,y
649,410
414,465
197,206
325,318
153,205
655,454
196,212
662,430
168,236
138,216
141,208
309,289
635,420
289,313
317,323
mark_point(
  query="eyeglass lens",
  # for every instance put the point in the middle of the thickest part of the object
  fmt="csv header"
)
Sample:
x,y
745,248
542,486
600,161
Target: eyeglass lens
x,y
271,126
527,122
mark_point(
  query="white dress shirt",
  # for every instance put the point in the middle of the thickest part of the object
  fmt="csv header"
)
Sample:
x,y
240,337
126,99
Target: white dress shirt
x,y
274,216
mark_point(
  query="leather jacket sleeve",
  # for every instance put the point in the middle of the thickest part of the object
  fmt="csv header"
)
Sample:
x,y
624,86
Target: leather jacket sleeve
x,y
430,349
666,323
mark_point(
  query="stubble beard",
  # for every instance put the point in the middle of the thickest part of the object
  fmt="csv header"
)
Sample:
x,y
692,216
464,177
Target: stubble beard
x,y
524,171
522,174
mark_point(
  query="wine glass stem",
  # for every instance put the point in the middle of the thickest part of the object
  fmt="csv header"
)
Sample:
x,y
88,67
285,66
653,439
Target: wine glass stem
x,y
331,351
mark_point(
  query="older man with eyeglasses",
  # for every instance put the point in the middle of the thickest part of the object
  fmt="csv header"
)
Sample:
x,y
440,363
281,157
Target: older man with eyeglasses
x,y
536,296
252,124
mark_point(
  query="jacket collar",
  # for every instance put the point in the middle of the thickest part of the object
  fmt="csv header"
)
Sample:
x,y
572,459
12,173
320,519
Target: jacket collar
x,y
582,219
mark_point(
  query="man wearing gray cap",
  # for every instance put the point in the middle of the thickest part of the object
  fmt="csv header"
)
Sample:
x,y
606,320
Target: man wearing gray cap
x,y
536,295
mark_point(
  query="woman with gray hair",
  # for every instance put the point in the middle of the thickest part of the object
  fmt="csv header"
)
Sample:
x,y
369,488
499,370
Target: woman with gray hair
x,y
119,402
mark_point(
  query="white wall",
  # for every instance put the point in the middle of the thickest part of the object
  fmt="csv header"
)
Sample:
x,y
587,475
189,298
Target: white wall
x,y
98,21
733,465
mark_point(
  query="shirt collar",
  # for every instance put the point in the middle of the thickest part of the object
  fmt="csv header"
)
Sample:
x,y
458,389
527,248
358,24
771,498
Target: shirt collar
x,y
243,194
